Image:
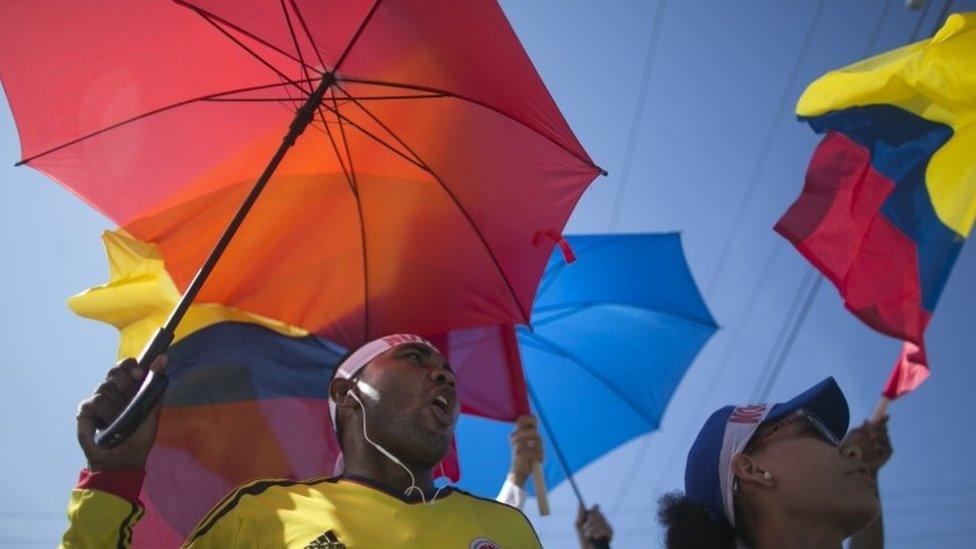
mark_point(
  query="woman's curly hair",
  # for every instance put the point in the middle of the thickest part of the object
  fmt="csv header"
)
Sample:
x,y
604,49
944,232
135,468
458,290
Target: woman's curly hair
x,y
689,526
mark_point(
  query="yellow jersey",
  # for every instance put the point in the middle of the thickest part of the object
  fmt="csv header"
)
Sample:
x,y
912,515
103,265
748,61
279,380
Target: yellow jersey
x,y
339,513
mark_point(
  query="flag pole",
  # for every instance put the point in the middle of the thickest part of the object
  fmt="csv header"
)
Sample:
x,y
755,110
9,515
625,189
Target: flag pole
x,y
880,410
154,384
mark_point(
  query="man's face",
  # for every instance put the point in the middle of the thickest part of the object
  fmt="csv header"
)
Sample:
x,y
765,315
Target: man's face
x,y
411,403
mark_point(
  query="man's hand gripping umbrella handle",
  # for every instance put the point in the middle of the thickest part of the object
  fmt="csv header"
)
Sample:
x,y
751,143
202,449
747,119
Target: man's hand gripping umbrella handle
x,y
155,383
152,389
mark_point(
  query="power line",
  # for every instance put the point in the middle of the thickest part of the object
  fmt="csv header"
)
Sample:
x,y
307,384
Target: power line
x,y
932,536
801,57
32,515
769,382
764,151
779,343
694,420
19,541
936,491
921,509
761,282
791,339
771,371
635,123
918,22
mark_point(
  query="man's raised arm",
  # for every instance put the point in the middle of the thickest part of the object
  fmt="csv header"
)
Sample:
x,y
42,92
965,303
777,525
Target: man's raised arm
x,y
104,506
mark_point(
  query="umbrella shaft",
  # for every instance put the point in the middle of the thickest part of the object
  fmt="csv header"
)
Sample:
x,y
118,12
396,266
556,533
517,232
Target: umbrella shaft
x,y
555,445
301,121
154,384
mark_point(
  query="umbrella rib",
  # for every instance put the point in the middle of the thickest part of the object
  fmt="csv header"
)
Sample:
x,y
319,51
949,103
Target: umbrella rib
x,y
362,220
294,40
207,14
164,108
349,174
301,59
359,32
251,52
484,242
379,140
363,98
549,277
446,93
567,311
335,148
570,309
383,125
354,189
547,345
308,33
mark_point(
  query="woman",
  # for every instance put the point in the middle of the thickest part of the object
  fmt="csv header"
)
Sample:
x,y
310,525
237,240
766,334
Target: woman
x,y
779,476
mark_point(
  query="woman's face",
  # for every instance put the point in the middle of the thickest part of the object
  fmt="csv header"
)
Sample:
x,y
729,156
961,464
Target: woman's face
x,y
814,477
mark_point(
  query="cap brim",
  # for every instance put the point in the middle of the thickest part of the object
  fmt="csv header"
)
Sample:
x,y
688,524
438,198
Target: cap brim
x,y
824,400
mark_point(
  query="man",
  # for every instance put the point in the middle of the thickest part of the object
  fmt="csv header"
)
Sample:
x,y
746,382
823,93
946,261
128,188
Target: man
x,y
394,406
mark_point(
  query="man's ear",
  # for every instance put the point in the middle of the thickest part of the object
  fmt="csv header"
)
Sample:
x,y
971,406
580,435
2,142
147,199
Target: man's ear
x,y
339,391
751,472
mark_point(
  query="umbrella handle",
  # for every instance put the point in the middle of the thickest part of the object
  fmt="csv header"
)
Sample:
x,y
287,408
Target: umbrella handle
x,y
541,494
152,389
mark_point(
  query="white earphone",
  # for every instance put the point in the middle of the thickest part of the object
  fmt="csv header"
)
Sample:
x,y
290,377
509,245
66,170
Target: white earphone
x,y
365,387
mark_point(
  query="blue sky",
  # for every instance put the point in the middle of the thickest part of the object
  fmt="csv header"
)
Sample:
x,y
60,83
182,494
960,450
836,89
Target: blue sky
x,y
713,120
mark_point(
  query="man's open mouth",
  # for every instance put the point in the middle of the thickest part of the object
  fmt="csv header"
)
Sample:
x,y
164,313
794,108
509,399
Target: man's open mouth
x,y
442,403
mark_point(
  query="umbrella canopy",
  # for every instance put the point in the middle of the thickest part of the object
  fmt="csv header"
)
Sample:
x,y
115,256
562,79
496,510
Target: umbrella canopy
x,y
612,336
426,196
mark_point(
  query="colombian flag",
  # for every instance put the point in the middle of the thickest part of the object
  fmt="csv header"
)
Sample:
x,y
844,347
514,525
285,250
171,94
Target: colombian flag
x,y
247,397
890,193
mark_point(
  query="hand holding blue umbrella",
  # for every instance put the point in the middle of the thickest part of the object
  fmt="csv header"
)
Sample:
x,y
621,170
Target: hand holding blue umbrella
x,y
612,336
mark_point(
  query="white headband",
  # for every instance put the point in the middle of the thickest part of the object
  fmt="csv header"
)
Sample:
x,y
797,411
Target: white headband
x,y
741,425
365,354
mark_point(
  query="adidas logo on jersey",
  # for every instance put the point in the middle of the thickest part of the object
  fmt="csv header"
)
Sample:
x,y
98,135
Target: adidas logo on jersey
x,y
328,540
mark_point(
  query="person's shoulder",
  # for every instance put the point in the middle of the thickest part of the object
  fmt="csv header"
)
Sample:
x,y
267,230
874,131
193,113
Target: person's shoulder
x,y
490,509
254,496
272,488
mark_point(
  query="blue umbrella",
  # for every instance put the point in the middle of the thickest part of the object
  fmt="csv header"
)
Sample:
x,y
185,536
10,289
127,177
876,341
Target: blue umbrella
x,y
612,335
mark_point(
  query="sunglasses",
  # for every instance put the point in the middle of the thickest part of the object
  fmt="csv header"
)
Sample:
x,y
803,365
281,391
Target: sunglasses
x,y
811,422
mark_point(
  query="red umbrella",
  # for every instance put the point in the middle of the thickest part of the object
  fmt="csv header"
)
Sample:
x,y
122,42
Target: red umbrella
x,y
426,196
